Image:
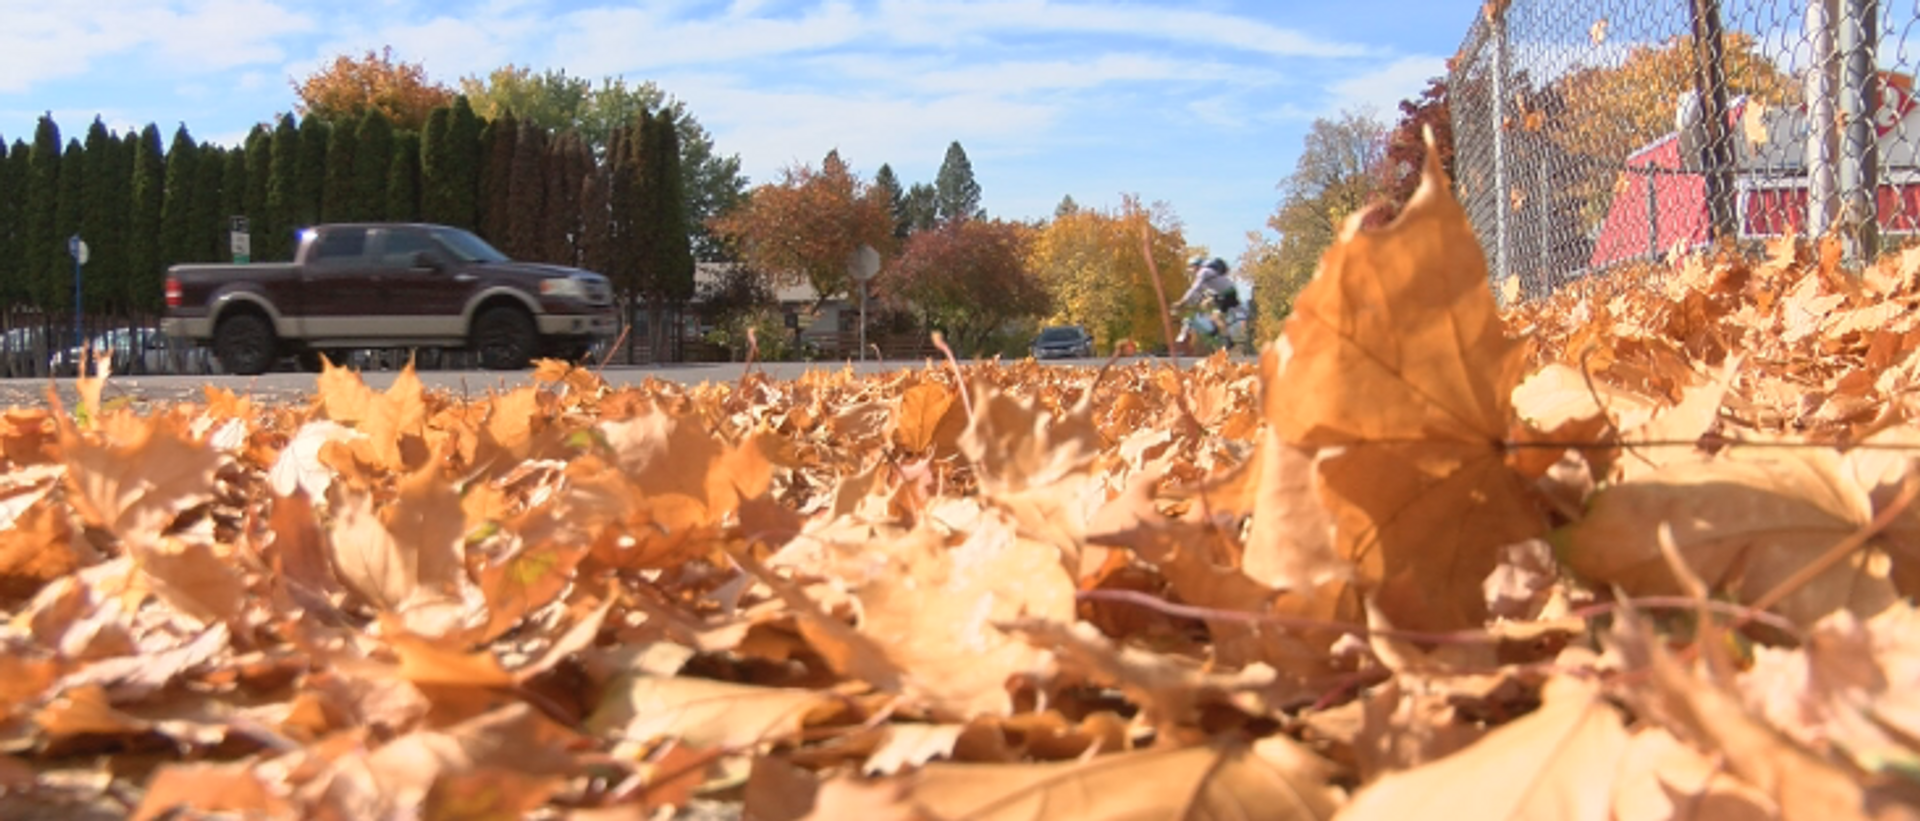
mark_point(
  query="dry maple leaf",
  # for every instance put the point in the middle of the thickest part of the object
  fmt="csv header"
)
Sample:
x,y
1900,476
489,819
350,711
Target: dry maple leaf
x,y
1273,778
703,713
1291,543
1744,522
1557,762
1401,360
1844,688
928,416
138,475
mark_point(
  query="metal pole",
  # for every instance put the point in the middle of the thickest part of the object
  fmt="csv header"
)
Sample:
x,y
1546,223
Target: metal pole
x,y
1859,152
1653,217
1716,153
78,332
1500,193
1823,128
863,321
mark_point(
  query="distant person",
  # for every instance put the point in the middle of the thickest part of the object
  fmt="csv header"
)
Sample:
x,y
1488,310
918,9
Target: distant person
x,y
1210,280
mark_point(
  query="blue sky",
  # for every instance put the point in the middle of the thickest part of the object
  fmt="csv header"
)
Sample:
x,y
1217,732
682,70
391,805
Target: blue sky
x,y
1200,105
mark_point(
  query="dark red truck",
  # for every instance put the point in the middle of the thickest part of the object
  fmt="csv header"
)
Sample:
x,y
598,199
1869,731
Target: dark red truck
x,y
385,285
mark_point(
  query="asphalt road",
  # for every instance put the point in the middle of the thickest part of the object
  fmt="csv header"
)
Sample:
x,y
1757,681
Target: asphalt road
x,y
294,387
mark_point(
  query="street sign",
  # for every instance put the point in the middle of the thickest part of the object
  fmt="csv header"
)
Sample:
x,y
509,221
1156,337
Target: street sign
x,y
242,244
77,248
862,265
237,224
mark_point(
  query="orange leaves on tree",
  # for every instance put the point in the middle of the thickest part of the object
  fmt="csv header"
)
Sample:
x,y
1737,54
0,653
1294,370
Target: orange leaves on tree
x,y
805,227
347,87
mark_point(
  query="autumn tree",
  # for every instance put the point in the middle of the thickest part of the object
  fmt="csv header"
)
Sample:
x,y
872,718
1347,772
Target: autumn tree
x,y
956,193
549,99
1336,174
805,227
176,204
146,263
969,278
1598,116
1091,262
344,90
1406,152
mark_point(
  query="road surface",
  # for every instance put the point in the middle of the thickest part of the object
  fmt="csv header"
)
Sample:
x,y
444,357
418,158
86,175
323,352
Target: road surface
x,y
294,387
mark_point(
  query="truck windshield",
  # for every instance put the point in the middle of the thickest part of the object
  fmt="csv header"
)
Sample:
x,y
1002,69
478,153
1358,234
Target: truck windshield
x,y
468,247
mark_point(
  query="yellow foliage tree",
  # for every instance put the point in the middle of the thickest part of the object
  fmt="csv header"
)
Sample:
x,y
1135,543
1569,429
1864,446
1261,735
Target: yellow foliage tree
x,y
347,87
1091,261
1601,115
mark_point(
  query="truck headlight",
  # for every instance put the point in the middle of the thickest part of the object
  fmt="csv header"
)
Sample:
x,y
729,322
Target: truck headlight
x,y
563,288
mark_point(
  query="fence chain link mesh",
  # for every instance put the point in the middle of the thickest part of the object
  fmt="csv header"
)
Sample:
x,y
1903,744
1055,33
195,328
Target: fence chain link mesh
x,y
1598,136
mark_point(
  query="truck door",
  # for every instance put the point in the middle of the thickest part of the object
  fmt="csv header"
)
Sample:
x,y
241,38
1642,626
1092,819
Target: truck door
x,y
338,296
429,292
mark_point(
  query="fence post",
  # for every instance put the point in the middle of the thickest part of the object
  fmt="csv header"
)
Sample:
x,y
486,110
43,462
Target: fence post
x,y
1498,29
1716,151
1859,152
1653,216
1823,128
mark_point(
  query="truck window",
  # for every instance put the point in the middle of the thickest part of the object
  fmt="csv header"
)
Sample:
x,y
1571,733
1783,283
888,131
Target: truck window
x,y
343,246
401,245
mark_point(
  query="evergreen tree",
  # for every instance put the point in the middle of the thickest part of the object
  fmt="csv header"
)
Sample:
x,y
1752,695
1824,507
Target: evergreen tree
x,y
436,168
13,180
1066,207
623,217
596,222
497,146
669,257
526,194
923,207
566,166
956,193
40,247
340,184
259,180
463,137
373,140
178,234
314,133
274,240
234,185
104,223
403,178
69,210
208,227
889,185
145,263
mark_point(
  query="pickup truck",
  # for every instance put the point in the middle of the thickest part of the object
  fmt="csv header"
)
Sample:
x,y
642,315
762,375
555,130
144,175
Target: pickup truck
x,y
385,285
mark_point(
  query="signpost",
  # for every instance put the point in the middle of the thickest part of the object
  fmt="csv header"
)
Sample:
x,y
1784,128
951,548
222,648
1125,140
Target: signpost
x,y
77,248
239,241
861,266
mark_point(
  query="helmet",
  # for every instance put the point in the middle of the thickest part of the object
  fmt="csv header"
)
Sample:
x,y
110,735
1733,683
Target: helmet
x,y
1217,264
1196,262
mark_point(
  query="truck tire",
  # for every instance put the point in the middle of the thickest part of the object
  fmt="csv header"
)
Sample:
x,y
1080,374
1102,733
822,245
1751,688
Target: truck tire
x,y
244,344
504,338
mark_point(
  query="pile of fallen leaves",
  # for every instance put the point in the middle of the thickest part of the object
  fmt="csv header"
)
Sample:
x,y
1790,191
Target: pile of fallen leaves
x,y
1642,551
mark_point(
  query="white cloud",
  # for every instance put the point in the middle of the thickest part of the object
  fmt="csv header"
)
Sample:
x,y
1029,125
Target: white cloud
x,y
48,42
953,21
1383,88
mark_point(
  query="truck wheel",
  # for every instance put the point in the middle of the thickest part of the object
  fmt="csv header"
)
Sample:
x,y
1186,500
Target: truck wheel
x,y
244,344
504,338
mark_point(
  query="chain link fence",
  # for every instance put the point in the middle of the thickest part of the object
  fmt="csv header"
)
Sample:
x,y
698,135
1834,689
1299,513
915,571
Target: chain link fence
x,y
1601,134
